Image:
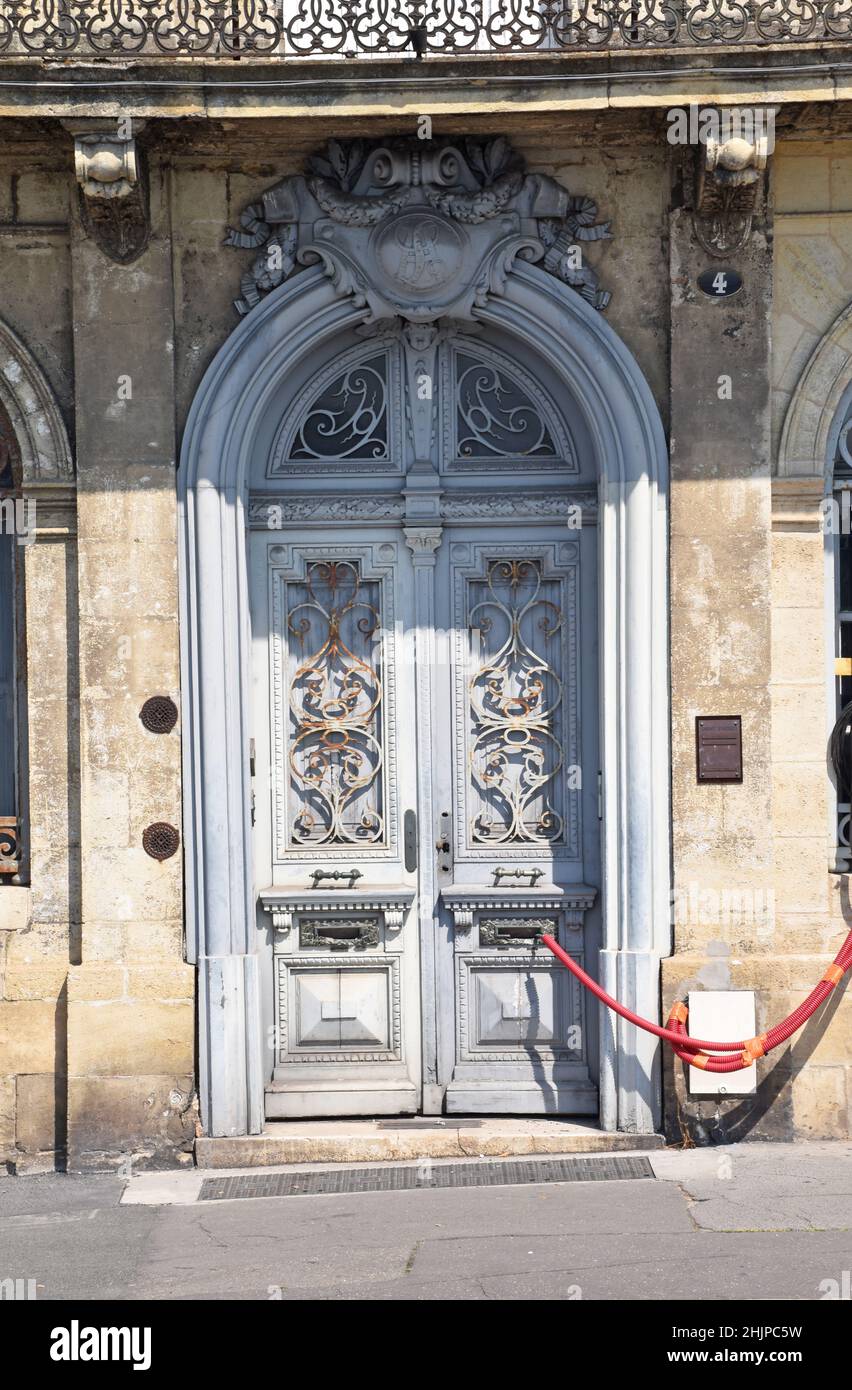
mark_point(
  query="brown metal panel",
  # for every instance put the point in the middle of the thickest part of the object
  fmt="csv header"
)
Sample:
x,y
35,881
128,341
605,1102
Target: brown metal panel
x,y
719,748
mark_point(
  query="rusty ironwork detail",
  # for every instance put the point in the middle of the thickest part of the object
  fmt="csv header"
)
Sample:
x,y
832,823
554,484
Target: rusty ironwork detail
x,y
160,840
9,845
159,714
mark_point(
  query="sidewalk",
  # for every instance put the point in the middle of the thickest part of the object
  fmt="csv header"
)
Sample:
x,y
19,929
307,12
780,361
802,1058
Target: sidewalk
x,y
754,1221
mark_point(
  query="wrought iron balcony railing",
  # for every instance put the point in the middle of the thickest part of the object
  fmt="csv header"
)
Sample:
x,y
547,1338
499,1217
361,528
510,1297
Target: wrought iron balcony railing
x,y
321,29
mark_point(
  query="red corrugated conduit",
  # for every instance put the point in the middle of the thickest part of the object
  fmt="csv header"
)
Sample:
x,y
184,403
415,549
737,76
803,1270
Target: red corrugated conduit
x,y
695,1050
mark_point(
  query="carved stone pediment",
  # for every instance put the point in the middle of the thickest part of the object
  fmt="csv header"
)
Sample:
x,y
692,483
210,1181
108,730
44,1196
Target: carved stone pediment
x,y
418,230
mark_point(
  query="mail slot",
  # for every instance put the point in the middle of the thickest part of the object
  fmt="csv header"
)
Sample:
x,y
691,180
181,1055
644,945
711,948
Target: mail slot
x,y
510,933
340,935
719,748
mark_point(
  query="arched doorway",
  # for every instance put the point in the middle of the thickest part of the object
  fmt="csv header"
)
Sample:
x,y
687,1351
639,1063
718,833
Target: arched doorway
x,y
424,650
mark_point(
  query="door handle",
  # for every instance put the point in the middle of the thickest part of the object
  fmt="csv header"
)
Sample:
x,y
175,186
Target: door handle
x,y
409,840
336,875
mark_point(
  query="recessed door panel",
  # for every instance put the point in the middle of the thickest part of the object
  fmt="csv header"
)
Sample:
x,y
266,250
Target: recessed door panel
x,y
336,710
518,804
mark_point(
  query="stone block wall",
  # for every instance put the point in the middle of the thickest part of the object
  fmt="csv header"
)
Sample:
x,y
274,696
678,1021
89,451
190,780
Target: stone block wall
x,y
758,545
97,1013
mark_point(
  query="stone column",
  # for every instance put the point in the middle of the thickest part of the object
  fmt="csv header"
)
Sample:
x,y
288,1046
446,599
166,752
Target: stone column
x,y
130,995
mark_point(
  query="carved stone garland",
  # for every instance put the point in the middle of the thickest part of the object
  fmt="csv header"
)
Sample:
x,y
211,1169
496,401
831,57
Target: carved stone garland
x,y
418,230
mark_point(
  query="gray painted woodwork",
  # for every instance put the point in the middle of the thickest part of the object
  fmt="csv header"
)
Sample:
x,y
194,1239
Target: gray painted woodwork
x,y
423,517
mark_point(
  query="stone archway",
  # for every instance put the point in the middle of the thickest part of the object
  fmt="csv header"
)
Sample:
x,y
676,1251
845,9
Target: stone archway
x,y
804,451
529,307
45,454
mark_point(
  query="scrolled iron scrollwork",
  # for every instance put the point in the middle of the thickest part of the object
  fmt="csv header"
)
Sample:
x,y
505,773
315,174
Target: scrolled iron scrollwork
x,y
716,21
349,420
347,29
514,699
495,417
9,845
336,756
775,20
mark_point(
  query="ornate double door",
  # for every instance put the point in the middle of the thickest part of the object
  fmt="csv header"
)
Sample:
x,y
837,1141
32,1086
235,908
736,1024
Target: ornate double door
x,y
426,783
429,794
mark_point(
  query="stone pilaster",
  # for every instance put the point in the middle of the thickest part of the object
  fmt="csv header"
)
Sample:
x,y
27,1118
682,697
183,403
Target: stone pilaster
x,y
130,1005
720,597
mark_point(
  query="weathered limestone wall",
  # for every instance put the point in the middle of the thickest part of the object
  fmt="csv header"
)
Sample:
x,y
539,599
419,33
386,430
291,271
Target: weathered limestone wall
x,y
764,913
130,996
39,924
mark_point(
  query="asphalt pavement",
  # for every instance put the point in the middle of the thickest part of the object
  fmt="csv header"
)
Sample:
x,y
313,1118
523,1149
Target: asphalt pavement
x,y
754,1221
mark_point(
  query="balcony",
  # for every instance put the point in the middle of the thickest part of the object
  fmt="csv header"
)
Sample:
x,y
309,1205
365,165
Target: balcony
x,y
120,31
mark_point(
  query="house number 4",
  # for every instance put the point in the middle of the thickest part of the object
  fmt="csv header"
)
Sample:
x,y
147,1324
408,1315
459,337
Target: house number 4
x,y
719,284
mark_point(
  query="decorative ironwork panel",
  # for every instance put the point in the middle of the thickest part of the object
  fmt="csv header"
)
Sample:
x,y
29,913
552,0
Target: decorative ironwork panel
x,y
9,845
510,933
496,415
520,703
347,29
341,934
335,694
347,418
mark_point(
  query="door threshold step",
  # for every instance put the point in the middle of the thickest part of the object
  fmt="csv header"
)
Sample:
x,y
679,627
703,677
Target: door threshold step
x,y
390,1177
377,1140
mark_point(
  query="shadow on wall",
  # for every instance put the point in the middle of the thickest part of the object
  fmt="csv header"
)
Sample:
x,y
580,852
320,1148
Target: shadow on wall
x,y
769,1113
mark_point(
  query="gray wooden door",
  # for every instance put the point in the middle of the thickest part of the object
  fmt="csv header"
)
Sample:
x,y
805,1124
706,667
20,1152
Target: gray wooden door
x,y
515,757
425,727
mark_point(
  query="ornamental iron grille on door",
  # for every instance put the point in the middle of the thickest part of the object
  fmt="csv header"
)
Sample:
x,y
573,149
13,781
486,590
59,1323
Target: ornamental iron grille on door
x,y
515,698
336,756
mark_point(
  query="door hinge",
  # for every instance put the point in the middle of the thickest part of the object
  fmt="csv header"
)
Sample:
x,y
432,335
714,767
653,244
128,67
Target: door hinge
x,y
600,796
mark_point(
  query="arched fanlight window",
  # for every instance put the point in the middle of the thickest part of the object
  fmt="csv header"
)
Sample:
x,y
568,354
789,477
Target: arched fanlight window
x,y
12,703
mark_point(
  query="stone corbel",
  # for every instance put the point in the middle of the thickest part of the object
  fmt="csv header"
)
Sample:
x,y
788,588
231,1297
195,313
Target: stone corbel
x,y
727,185
282,919
112,188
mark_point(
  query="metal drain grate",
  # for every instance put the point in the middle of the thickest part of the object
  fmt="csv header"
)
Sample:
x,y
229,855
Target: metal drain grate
x,y
388,1177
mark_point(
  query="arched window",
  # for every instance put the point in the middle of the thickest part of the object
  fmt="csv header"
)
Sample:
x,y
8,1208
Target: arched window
x,y
12,665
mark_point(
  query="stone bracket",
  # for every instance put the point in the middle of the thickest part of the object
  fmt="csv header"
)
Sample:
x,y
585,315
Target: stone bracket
x,y
728,180
113,190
